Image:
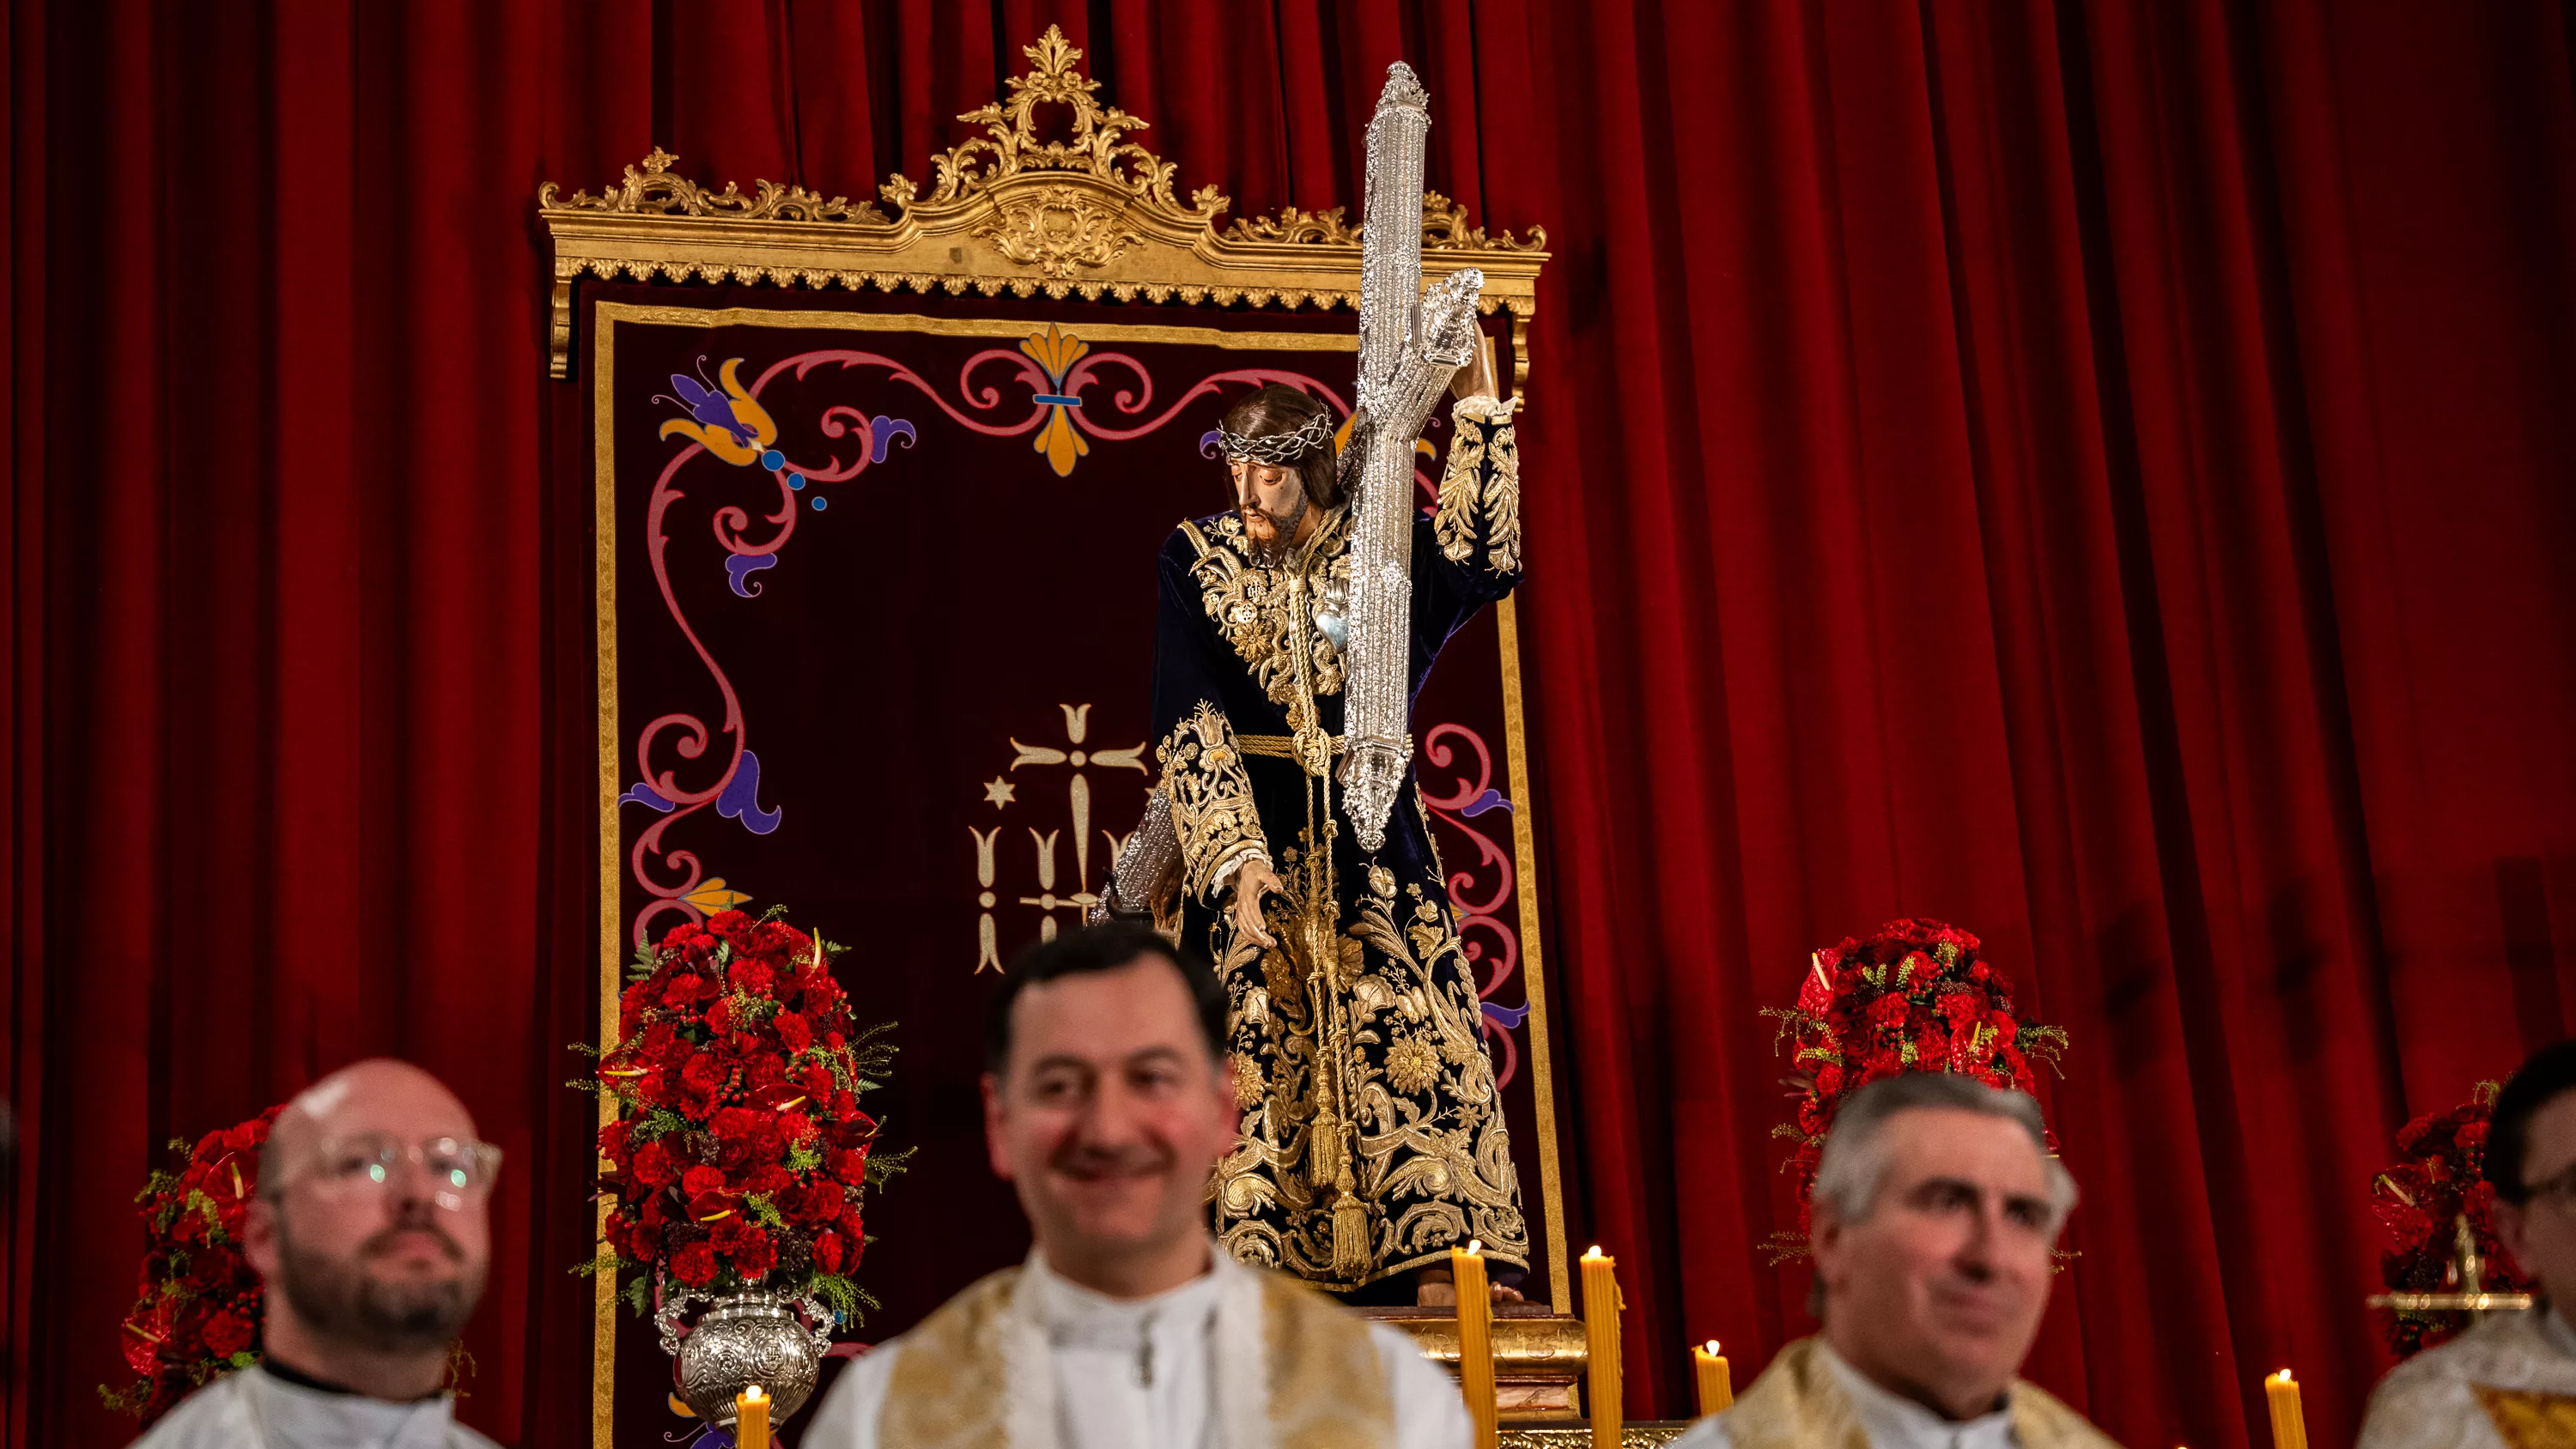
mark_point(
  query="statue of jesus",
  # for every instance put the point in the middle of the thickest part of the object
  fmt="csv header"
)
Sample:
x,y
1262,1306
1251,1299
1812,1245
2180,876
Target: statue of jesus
x,y
1373,1137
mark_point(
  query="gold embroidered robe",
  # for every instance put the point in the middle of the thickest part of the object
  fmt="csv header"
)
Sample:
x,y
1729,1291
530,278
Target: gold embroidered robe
x,y
1373,1138
1799,1402
2508,1383
1289,1369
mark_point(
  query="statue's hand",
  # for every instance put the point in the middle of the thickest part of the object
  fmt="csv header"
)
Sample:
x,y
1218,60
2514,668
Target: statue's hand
x,y
1253,880
1476,379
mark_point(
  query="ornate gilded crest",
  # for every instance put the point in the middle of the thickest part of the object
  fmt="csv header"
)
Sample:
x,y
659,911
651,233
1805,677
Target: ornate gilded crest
x,y
1090,213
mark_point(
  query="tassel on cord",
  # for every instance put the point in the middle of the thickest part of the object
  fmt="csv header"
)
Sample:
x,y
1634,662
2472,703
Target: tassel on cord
x,y
1324,1149
1350,1230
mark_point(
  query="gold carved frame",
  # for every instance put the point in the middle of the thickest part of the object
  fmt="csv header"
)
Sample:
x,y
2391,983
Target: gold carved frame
x,y
1093,216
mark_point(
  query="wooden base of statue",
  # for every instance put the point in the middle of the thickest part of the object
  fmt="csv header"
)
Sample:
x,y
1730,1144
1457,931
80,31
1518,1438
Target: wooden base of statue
x,y
1538,1355
1539,1358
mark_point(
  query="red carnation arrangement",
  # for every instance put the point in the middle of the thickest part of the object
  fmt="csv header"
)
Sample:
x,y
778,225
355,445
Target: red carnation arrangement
x,y
197,1313
1911,997
740,1158
2419,1203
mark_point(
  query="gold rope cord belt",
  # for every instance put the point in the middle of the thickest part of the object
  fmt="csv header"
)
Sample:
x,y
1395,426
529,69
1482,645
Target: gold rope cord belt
x,y
1277,747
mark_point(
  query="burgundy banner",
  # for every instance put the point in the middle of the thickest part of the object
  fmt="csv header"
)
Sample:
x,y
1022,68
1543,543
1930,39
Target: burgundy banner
x,y
885,661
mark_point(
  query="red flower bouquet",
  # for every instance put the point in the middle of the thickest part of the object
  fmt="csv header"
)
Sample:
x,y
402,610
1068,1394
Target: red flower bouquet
x,y
2419,1203
1911,997
197,1315
740,1157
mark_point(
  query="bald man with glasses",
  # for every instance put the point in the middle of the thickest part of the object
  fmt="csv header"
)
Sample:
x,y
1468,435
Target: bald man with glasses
x,y
372,1232
2513,1375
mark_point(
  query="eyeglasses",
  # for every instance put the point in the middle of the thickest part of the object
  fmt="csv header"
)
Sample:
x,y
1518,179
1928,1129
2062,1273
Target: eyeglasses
x,y
457,1168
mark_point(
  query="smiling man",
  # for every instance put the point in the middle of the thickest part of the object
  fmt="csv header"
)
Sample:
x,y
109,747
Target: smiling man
x,y
1108,1099
1937,1207
372,1232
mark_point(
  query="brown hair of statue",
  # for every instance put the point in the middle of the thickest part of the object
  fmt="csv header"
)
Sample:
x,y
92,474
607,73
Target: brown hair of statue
x,y
1278,408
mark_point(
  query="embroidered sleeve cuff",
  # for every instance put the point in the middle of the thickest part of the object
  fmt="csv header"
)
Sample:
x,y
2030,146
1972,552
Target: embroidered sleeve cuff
x,y
1213,814
1484,409
1480,489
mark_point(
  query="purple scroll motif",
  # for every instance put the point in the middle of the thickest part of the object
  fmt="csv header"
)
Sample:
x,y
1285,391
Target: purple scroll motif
x,y
728,422
1481,892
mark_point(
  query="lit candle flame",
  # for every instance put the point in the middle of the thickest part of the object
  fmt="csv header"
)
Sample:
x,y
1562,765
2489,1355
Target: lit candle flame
x,y
2283,1377
1712,1348
1594,1253
753,1394
1475,1247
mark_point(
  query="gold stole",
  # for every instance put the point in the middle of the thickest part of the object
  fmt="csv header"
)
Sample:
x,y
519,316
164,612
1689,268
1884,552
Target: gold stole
x,y
953,1386
1797,1404
2527,1420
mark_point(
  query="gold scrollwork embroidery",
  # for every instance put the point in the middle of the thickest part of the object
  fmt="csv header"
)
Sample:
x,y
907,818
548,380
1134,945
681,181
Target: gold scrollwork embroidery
x,y
1263,609
1481,486
1211,798
1432,1157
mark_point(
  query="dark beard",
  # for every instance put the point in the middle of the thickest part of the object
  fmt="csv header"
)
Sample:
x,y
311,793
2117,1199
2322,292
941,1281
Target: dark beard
x,y
1282,531
342,1302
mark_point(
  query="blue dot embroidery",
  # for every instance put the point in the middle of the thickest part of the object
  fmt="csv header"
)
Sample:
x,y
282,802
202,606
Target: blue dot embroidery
x,y
821,503
795,480
773,460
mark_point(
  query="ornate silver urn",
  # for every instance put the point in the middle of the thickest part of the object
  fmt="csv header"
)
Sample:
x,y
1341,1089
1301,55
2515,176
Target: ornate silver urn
x,y
744,1339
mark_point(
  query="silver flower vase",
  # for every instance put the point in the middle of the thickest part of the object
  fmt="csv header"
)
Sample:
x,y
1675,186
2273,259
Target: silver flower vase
x,y
744,1339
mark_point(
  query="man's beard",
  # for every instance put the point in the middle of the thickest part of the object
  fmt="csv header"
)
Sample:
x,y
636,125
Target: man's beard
x,y
340,1301
1268,532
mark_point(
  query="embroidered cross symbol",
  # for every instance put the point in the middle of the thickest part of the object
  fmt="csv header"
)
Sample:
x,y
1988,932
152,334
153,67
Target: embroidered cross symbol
x,y
1074,755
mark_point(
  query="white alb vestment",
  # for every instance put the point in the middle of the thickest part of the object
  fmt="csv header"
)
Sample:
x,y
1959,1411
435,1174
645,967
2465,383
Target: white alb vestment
x,y
2508,1383
1891,1422
1185,1369
255,1409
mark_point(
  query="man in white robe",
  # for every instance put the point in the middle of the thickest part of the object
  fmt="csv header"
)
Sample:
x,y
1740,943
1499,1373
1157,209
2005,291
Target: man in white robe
x,y
1937,1207
2510,1381
372,1234
1108,1099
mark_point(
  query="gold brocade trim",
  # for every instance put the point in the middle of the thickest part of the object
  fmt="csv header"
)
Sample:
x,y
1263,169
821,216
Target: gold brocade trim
x,y
1328,1387
2525,1419
1480,488
1213,815
956,1377
1797,1404
1264,609
1551,1173
942,1390
612,849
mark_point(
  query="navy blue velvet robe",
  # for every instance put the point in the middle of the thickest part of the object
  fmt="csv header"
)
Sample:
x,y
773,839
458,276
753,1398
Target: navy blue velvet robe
x,y
1373,1138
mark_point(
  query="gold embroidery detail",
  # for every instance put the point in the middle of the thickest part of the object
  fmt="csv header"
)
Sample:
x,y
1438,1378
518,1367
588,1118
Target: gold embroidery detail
x,y
1412,1065
1430,1159
1248,1086
952,1386
2526,1419
1212,809
1481,486
1262,609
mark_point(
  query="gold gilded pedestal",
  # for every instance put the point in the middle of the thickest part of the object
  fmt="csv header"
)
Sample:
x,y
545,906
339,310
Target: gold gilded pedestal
x,y
1539,1358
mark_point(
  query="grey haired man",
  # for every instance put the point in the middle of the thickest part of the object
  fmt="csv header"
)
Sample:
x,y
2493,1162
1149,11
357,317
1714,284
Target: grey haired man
x,y
1937,1206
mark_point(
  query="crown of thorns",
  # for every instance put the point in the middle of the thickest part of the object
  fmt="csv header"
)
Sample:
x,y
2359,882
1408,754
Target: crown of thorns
x,y
1278,449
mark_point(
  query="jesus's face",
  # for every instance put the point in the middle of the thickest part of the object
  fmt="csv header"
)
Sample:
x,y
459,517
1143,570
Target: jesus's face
x,y
1271,498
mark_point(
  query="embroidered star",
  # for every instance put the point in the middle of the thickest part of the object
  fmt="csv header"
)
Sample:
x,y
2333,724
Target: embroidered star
x,y
998,793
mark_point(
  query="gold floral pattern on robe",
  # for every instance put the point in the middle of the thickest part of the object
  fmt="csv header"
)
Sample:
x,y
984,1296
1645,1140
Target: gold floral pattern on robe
x,y
1211,799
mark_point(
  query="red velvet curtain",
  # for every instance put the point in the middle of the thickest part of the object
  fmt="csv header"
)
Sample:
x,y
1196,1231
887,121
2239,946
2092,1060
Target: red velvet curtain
x,y
2092,471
